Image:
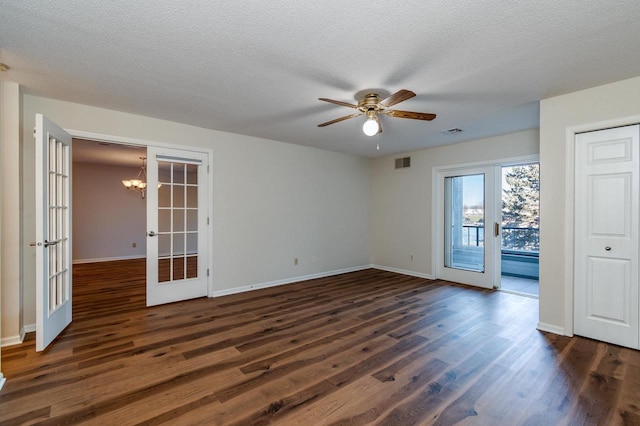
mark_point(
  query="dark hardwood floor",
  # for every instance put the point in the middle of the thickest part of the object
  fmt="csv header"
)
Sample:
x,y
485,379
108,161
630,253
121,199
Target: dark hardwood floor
x,y
367,347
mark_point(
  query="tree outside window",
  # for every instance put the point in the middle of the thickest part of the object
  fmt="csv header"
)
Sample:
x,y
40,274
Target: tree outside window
x,y
521,207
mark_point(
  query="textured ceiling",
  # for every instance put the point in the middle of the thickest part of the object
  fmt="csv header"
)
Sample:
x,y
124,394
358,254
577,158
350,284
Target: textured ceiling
x,y
258,67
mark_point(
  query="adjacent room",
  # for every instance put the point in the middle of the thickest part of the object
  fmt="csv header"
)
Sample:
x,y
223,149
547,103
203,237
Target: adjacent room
x,y
319,213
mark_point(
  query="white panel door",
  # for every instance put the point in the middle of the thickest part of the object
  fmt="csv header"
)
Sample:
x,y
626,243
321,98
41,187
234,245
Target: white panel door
x,y
471,246
606,236
177,222
53,231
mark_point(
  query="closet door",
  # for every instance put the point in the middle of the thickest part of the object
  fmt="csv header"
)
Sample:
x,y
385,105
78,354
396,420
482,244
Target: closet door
x,y
606,236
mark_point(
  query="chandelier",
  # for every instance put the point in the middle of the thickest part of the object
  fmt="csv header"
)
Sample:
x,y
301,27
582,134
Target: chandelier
x,y
140,182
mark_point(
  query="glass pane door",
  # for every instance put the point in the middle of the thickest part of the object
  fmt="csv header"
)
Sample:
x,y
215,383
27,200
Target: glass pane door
x,y
469,238
177,225
53,231
465,222
177,221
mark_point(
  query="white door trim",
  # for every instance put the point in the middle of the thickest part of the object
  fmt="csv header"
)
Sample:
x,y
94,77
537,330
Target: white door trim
x,y
99,137
437,242
569,208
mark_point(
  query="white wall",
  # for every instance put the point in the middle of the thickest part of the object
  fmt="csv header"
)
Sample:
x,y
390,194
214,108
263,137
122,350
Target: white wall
x,y
2,116
272,201
607,102
107,219
12,242
402,209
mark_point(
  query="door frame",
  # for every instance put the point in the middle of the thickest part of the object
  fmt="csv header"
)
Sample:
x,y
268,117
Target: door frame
x,y
569,211
98,137
437,194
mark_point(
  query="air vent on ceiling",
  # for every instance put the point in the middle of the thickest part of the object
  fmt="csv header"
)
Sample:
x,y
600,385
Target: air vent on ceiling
x,y
452,131
402,163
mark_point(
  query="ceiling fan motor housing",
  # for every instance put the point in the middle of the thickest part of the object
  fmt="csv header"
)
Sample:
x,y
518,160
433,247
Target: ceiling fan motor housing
x,y
370,103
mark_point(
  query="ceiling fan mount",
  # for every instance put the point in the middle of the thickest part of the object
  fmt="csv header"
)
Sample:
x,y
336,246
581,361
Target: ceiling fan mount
x,y
370,102
371,105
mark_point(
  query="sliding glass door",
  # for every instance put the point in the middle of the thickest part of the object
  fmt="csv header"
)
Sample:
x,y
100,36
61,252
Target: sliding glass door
x,y
470,234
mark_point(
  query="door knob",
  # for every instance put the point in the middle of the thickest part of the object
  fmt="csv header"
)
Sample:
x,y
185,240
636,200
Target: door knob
x,y
151,234
46,243
607,248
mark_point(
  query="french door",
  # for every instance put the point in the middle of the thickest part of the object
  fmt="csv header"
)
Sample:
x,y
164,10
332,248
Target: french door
x,y
468,222
177,222
53,231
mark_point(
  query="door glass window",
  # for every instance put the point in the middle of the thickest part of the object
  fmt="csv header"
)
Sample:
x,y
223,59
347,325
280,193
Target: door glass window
x,y
177,221
465,222
58,228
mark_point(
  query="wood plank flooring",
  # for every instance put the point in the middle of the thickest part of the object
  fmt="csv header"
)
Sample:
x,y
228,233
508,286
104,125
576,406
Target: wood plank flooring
x,y
368,347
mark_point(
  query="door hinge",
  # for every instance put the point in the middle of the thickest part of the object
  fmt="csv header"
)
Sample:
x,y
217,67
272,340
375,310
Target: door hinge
x,y
34,132
207,271
207,221
208,169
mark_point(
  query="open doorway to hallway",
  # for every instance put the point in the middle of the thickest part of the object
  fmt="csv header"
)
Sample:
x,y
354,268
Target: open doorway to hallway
x,y
520,229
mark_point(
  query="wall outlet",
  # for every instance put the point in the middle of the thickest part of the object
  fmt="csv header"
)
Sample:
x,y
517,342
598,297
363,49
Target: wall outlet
x,y
295,261
134,245
411,257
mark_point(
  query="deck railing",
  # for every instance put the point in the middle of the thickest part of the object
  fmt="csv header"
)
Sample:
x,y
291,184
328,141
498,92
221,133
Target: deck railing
x,y
525,239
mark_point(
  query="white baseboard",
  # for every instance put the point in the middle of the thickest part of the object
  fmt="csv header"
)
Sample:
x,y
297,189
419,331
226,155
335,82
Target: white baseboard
x,y
12,340
551,328
17,340
243,289
2,381
403,272
108,259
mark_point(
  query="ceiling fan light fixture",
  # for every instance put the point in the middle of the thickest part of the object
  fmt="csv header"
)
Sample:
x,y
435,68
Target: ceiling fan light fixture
x,y
370,127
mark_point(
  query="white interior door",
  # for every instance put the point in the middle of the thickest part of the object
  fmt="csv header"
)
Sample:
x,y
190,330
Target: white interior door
x,y
606,235
467,223
53,231
177,223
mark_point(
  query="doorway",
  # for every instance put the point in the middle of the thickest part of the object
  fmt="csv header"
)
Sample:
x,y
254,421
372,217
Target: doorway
x,y
486,227
109,221
187,185
520,223
109,224
135,202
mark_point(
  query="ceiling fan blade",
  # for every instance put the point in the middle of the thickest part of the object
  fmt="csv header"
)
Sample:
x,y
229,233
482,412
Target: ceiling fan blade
x,y
331,101
346,117
396,98
379,124
409,114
